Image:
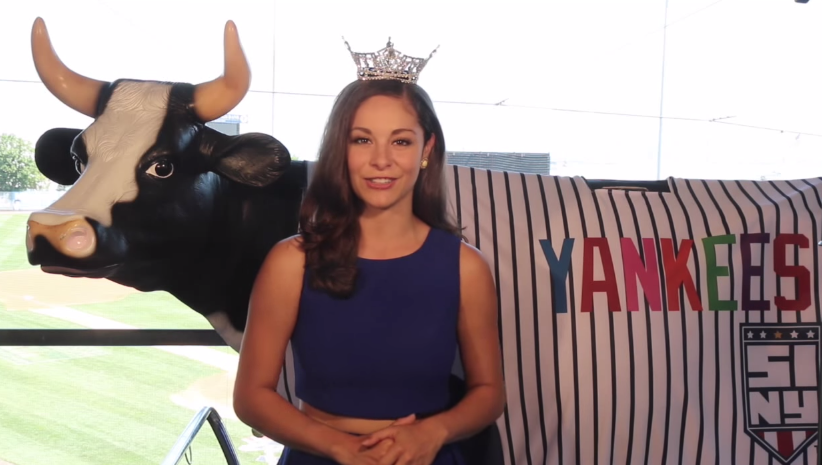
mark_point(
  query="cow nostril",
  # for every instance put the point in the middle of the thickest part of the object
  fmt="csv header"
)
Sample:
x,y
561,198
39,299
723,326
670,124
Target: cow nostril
x,y
74,238
78,239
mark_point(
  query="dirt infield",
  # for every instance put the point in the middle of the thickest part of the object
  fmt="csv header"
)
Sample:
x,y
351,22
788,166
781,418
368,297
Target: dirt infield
x,y
32,289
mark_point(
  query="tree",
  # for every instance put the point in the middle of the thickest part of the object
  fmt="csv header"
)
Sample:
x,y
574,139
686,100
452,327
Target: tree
x,y
18,171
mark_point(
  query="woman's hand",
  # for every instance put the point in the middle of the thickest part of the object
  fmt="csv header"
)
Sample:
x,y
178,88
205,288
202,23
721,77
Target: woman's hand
x,y
354,452
412,444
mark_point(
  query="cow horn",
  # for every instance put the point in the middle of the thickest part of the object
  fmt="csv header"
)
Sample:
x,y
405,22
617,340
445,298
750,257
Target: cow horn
x,y
76,91
215,98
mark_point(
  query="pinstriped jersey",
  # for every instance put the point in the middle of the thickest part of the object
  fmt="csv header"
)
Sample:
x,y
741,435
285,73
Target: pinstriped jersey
x,y
650,327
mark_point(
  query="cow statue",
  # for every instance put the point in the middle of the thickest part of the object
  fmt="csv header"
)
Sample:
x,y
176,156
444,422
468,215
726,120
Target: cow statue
x,y
158,200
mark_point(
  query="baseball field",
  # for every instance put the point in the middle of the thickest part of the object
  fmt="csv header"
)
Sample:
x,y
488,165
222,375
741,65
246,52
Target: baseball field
x,y
105,405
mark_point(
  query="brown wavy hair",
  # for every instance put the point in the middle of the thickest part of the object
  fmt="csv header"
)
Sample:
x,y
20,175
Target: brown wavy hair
x,y
329,215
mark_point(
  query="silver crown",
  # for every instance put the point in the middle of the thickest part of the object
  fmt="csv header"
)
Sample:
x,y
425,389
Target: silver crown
x,y
388,63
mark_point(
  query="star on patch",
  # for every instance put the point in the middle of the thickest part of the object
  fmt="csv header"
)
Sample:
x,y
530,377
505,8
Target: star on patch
x,y
794,334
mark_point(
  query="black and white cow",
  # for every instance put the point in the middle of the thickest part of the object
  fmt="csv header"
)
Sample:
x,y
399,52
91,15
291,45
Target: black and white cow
x,y
160,201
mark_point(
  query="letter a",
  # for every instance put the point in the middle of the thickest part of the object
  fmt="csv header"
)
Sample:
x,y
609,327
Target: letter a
x,y
607,285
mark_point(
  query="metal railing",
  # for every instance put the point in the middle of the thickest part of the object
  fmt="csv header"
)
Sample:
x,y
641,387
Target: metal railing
x,y
184,441
110,337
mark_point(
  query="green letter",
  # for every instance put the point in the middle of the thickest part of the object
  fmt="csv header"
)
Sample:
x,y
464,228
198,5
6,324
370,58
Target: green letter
x,y
713,272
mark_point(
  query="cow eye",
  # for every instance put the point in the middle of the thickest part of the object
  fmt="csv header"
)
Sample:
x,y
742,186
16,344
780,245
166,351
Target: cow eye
x,y
161,169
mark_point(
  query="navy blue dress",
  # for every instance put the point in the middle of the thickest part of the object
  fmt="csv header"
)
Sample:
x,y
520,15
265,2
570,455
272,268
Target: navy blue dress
x,y
387,351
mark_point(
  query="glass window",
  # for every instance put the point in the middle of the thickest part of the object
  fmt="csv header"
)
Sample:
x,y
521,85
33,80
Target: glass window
x,y
633,91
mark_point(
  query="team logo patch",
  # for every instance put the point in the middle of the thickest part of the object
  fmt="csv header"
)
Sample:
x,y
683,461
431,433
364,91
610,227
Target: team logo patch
x,y
780,369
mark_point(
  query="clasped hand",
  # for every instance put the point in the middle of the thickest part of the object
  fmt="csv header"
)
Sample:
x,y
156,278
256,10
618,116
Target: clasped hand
x,y
406,442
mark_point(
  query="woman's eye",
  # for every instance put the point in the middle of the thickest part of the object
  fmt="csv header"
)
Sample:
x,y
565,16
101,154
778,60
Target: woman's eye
x,y
364,140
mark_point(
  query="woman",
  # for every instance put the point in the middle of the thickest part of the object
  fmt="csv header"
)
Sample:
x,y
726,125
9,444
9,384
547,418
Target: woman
x,y
376,293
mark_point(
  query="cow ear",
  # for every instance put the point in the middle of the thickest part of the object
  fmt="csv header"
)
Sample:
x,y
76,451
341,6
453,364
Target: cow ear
x,y
253,159
52,155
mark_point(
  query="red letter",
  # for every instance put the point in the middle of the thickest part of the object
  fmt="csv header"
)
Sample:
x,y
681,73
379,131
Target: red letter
x,y
802,274
677,274
608,285
647,274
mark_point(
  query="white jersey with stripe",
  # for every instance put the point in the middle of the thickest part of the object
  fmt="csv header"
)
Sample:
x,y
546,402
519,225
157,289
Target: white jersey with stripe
x,y
675,327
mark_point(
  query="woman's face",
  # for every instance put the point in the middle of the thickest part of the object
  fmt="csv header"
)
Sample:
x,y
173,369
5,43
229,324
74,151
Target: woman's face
x,y
385,149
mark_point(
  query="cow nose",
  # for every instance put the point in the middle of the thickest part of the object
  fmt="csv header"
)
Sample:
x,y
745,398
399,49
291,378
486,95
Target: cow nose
x,y
74,238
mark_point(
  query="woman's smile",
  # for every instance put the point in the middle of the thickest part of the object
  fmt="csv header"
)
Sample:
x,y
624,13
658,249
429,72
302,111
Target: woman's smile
x,y
380,183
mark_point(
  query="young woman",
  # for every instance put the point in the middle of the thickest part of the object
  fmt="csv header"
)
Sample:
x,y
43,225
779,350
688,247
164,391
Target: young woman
x,y
376,294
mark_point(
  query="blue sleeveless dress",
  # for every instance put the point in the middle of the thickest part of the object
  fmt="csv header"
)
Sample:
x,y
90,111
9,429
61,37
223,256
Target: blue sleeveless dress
x,y
388,350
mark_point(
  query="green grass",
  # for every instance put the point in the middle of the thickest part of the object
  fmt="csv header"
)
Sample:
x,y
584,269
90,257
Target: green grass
x,y
103,405
13,242
30,320
149,310
90,405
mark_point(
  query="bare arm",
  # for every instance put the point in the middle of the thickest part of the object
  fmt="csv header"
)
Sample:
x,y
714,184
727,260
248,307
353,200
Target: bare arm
x,y
484,400
272,315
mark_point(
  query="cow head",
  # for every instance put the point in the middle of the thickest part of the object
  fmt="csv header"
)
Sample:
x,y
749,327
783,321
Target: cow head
x,y
147,174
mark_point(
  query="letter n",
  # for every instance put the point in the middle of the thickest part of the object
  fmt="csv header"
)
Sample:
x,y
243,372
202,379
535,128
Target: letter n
x,y
647,274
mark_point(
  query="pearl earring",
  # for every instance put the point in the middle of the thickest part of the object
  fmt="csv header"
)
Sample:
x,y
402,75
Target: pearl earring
x,y
424,163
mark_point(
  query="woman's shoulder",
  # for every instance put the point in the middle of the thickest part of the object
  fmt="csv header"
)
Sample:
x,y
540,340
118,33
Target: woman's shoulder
x,y
280,276
292,243
472,261
288,253
477,282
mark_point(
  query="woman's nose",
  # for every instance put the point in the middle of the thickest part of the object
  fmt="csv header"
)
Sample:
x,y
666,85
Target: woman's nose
x,y
381,156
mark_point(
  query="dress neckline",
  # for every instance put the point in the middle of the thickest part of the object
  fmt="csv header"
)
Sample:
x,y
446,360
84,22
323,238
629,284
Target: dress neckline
x,y
402,257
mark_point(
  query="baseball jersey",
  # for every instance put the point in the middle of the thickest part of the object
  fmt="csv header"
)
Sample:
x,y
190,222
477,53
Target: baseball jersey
x,y
673,327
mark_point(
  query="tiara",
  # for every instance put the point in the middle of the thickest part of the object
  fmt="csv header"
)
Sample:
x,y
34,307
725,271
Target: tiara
x,y
388,63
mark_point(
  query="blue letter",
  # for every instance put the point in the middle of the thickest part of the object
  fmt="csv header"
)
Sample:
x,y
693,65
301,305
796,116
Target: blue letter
x,y
559,271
